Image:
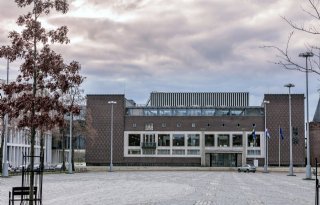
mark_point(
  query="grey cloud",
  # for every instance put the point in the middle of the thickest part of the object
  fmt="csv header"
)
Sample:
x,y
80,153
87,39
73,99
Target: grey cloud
x,y
178,46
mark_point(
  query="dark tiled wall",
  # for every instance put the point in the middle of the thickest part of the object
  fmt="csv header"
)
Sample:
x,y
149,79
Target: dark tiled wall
x,y
278,115
98,144
314,142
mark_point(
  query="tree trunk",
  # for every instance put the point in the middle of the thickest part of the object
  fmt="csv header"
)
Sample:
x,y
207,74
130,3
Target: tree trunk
x,y
2,143
41,150
72,156
33,111
63,151
33,134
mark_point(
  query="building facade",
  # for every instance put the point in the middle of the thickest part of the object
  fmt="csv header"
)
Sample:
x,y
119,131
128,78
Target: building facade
x,y
18,144
314,136
193,129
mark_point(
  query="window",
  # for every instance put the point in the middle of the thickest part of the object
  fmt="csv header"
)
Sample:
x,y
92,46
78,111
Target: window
x,y
164,151
178,152
223,140
134,125
254,152
163,124
209,140
178,124
149,138
193,152
193,125
134,151
164,140
193,140
252,142
237,140
134,139
178,140
148,126
148,151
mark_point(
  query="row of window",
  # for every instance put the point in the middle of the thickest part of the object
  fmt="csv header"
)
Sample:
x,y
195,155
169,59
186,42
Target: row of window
x,y
178,152
147,111
191,140
164,152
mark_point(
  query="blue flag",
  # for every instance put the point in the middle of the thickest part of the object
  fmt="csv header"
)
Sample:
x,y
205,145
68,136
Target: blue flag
x,y
267,133
254,134
281,133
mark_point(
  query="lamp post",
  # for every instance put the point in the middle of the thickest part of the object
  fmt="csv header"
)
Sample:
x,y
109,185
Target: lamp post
x,y
111,134
5,147
265,170
290,85
308,167
70,145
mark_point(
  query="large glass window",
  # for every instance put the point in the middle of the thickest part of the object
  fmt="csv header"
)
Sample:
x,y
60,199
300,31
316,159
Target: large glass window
x,y
209,140
223,140
178,140
163,140
150,112
237,140
149,137
193,140
253,142
149,141
134,139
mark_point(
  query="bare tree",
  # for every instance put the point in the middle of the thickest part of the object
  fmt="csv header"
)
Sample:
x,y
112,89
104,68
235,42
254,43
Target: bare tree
x,y
42,69
73,101
285,59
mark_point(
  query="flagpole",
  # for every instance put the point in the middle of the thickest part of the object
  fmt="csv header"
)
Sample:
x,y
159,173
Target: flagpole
x,y
265,170
279,144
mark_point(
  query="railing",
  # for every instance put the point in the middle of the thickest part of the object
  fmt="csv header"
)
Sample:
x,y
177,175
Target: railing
x,y
148,145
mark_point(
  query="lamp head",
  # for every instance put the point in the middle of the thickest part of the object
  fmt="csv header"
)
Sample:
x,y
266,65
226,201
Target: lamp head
x,y
306,54
289,85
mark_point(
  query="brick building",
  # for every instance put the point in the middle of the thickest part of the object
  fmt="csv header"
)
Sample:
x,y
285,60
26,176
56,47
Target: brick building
x,y
194,129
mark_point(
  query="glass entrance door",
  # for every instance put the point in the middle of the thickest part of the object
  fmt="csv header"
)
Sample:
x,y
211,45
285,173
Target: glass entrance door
x,y
224,159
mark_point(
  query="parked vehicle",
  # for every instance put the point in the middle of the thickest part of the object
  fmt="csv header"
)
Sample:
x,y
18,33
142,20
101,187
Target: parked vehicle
x,y
59,166
247,168
49,168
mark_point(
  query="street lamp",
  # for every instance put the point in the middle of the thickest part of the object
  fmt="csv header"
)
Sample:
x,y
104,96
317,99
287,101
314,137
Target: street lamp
x,y
70,144
290,85
5,165
265,170
308,167
111,140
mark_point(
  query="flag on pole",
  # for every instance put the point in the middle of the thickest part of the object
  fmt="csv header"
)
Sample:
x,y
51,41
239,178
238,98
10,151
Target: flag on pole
x,y
281,133
267,133
254,134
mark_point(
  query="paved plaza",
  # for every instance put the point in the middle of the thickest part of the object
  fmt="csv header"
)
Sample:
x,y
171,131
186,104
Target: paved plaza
x,y
171,187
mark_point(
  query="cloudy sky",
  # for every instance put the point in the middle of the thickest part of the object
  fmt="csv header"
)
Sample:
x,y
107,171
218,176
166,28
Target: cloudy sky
x,y
138,46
